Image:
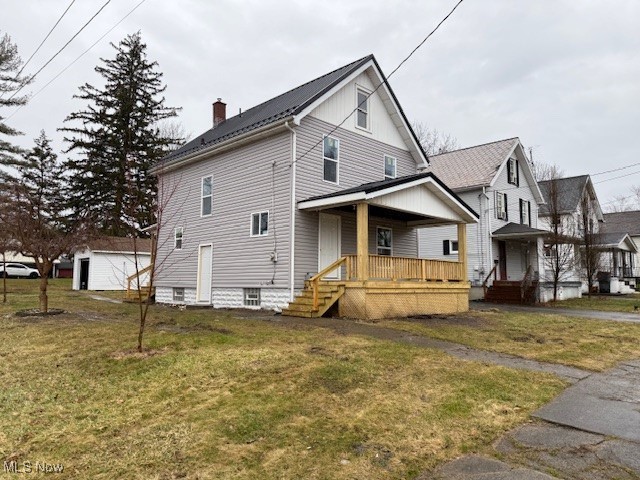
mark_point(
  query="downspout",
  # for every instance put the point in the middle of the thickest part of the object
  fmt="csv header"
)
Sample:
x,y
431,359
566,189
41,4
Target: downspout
x,y
292,215
484,212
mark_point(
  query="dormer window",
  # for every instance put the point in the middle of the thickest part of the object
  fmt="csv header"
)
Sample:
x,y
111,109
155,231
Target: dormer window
x,y
362,108
513,176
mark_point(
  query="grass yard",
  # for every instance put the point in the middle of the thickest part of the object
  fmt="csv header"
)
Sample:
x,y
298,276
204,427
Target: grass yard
x,y
589,344
627,303
221,397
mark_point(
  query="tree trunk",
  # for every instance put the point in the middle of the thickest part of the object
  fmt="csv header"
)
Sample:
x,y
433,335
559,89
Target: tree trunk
x,y
44,299
4,279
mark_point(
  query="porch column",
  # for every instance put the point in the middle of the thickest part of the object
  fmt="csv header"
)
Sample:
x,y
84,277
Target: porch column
x,y
462,249
362,225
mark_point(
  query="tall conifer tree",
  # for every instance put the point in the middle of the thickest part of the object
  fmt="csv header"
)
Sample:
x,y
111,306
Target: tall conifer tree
x,y
116,139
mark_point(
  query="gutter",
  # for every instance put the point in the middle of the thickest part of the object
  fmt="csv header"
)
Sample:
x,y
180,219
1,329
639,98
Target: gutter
x,y
292,214
228,144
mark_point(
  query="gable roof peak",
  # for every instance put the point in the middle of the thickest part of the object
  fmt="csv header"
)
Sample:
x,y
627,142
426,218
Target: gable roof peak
x,y
476,146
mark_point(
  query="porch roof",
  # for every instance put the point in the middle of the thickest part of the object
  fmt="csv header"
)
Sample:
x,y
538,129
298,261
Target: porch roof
x,y
517,231
420,200
620,241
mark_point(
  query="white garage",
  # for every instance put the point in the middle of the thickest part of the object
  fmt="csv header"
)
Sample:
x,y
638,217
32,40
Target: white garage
x,y
107,262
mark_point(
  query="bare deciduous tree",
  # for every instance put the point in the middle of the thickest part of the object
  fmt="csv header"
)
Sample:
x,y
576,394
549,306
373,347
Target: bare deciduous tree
x,y
434,142
546,171
559,254
591,239
36,220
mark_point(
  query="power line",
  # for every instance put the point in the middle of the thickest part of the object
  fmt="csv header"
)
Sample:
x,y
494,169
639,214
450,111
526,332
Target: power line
x,y
616,169
45,38
63,47
384,81
79,57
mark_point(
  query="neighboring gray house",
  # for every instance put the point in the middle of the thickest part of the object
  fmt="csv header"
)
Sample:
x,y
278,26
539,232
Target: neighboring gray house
x,y
572,193
623,262
496,180
270,197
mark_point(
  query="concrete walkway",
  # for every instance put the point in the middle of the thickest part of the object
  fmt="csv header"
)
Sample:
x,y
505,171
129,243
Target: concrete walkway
x,y
569,312
349,327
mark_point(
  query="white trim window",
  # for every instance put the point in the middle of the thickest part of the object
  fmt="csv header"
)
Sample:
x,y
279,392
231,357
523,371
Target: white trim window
x,y
251,297
362,108
260,224
384,241
525,212
331,159
390,166
177,238
207,196
449,247
513,175
178,294
501,206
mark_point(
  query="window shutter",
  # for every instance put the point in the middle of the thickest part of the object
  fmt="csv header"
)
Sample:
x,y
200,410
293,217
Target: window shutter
x,y
509,171
529,205
506,207
496,196
445,247
517,165
521,212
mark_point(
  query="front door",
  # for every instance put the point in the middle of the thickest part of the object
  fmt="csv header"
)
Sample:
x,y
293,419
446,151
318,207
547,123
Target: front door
x,y
329,243
502,259
205,257
84,273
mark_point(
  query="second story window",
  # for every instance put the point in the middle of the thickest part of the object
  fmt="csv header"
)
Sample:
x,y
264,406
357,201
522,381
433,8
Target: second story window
x,y
525,212
389,167
362,112
330,156
177,243
207,196
513,176
501,206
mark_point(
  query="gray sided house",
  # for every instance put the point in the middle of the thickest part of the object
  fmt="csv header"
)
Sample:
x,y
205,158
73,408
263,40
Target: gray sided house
x,y
264,201
621,232
496,180
565,208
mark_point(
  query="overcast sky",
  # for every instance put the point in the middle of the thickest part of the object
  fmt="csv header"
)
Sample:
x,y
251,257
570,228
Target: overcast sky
x,y
563,75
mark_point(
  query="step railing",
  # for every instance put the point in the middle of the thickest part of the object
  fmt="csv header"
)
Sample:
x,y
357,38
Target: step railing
x,y
144,289
315,280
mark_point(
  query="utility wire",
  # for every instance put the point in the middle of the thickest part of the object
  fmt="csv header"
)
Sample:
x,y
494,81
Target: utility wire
x,y
63,47
45,38
384,81
79,57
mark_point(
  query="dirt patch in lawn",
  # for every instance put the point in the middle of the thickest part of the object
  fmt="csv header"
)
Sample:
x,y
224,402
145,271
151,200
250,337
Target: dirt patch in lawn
x,y
198,327
472,321
134,353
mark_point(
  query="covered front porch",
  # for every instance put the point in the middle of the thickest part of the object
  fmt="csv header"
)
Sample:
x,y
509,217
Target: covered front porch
x,y
366,285
518,264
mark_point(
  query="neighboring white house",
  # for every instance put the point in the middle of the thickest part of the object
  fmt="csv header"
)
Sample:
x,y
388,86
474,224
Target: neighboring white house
x,y
496,180
107,262
565,207
625,223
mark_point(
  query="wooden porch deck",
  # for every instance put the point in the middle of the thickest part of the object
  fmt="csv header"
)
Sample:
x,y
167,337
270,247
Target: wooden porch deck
x,y
393,286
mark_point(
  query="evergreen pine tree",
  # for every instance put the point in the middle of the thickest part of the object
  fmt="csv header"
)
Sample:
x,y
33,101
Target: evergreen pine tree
x,y
117,139
10,84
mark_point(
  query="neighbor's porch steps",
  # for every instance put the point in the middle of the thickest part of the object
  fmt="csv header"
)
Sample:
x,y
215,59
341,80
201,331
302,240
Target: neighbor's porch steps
x,y
328,295
503,291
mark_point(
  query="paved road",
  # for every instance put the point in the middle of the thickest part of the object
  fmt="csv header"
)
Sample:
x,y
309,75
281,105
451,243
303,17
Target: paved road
x,y
569,312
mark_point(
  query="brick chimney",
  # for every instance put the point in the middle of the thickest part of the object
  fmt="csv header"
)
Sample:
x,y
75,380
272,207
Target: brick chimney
x,y
219,112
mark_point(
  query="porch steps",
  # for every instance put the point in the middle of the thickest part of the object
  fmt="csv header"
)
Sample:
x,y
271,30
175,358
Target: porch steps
x,y
302,306
503,291
131,294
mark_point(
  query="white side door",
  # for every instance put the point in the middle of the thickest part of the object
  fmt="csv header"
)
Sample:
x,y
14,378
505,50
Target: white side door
x,y
205,258
329,243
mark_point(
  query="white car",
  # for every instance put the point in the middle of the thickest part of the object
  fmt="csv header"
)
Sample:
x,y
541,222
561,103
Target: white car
x,y
18,270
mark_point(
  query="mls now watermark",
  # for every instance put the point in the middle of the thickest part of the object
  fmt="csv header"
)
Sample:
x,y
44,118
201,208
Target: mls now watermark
x,y
32,467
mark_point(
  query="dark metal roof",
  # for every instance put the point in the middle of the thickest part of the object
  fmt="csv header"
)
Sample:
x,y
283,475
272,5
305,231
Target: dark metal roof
x,y
384,184
516,229
282,106
622,222
569,190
